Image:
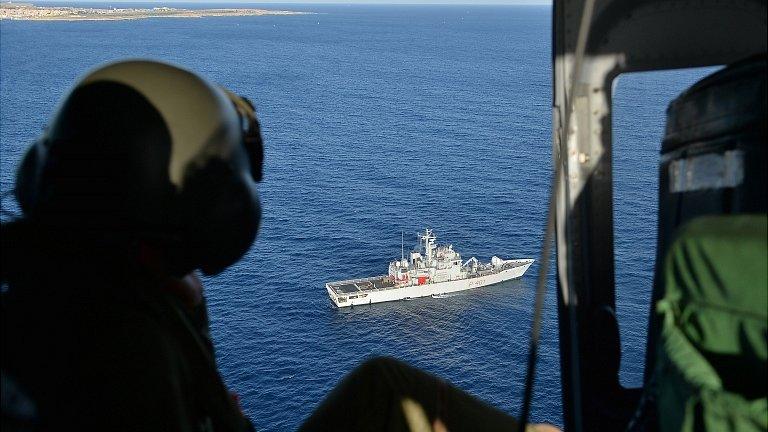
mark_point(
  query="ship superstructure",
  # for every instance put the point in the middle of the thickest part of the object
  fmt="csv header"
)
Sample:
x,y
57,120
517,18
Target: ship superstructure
x,y
431,270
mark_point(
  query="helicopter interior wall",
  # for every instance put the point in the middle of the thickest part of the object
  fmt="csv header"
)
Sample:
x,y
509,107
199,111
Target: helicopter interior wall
x,y
623,37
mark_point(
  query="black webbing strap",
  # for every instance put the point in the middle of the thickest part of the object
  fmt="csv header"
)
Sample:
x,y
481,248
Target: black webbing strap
x,y
541,290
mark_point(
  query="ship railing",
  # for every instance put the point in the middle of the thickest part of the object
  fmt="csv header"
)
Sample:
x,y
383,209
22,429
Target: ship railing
x,y
349,281
512,265
382,289
491,271
360,280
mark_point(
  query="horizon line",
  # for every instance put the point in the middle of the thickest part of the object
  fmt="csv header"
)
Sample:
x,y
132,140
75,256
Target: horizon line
x,y
309,3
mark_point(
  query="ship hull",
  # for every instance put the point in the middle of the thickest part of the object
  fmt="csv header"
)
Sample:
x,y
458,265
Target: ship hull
x,y
425,290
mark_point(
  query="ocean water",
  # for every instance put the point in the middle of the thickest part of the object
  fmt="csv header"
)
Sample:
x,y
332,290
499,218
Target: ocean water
x,y
377,120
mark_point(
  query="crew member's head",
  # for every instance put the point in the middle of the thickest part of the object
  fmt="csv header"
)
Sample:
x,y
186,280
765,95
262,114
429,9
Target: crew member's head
x,y
146,154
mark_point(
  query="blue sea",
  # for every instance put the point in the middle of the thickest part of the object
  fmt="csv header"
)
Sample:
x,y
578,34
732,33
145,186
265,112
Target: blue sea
x,y
378,119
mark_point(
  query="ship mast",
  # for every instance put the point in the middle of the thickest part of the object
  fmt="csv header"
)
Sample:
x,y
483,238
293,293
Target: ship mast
x,y
429,240
402,247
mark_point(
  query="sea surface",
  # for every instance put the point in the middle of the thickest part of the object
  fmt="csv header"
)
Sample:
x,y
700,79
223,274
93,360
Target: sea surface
x,y
377,120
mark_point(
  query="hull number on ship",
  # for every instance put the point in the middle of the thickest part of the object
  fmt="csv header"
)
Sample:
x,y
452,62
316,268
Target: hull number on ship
x,y
476,283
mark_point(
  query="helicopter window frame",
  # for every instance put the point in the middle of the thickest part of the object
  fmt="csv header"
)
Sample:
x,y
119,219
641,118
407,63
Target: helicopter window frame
x,y
633,305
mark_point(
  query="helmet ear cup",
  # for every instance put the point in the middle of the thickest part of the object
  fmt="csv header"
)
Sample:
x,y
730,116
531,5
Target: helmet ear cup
x,y
218,213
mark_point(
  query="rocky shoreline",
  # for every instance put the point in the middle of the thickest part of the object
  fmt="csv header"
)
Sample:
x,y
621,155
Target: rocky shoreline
x,y
29,12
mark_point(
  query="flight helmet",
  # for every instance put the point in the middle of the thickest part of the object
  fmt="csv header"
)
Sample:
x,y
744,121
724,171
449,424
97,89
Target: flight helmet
x,y
146,153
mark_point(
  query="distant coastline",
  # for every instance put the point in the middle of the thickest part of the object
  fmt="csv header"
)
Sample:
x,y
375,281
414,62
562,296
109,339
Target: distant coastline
x,y
30,12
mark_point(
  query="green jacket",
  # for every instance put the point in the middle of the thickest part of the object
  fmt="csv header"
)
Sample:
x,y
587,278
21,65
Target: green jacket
x,y
712,372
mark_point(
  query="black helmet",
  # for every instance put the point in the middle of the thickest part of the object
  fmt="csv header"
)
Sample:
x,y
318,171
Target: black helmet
x,y
145,152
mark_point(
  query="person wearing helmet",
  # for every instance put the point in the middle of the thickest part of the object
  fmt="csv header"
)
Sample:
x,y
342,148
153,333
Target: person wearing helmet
x,y
146,174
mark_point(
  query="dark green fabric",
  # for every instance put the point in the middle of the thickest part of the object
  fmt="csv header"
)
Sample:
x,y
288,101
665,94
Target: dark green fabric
x,y
711,366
